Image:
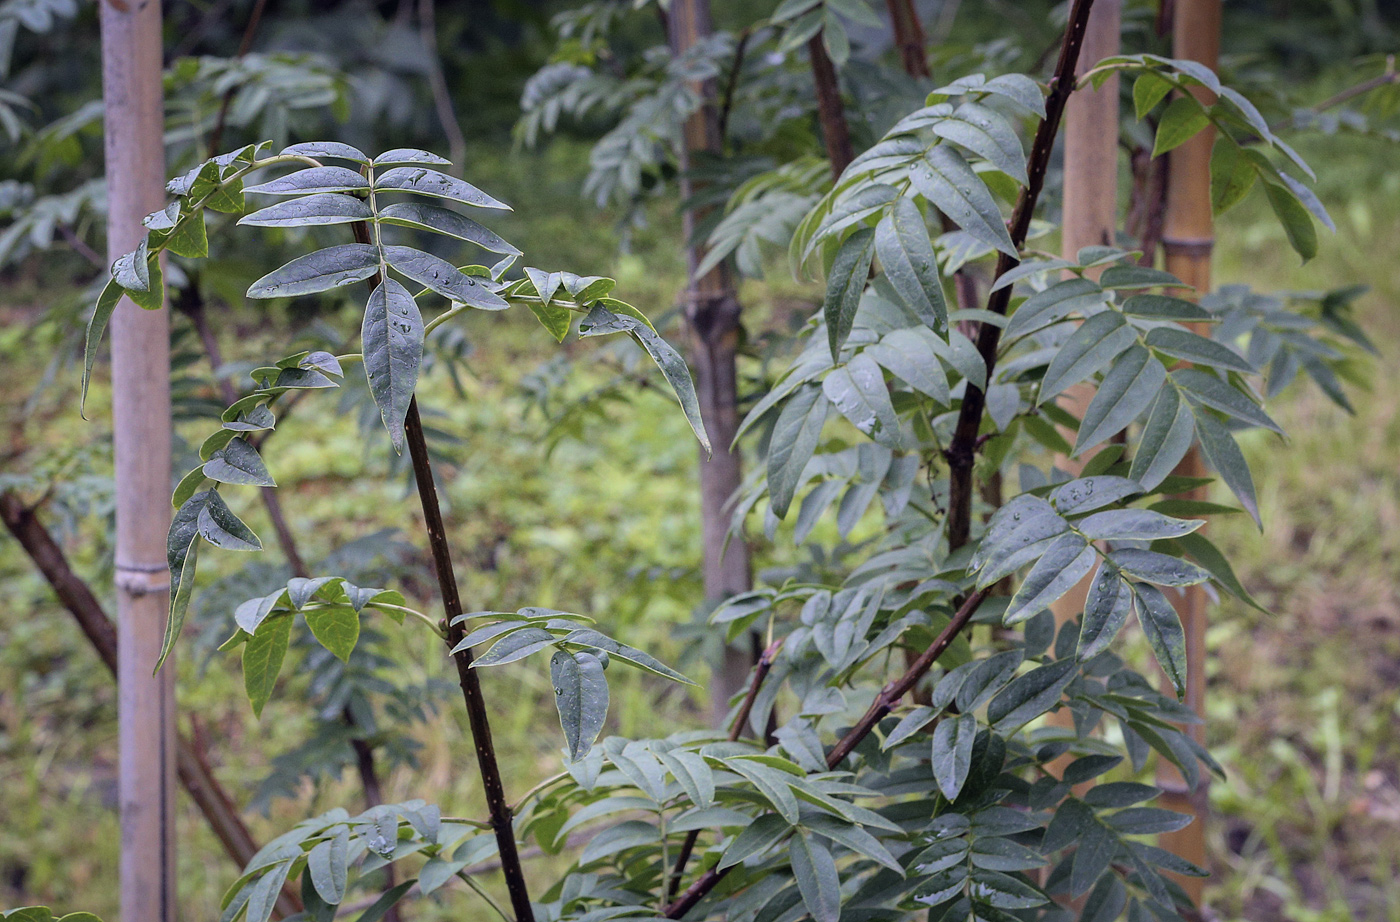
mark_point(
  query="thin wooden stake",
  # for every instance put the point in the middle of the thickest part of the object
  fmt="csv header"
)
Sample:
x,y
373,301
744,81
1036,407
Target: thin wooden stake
x,y
1188,238
141,423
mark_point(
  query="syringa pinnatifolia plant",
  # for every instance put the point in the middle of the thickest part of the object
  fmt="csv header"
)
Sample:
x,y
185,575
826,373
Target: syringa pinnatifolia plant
x,y
887,761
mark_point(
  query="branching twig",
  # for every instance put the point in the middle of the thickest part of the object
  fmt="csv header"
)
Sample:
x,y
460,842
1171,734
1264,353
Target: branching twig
x,y
961,451
760,672
1386,78
883,704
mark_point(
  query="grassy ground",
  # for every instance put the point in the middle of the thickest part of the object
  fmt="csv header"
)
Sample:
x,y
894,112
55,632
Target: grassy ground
x,y
1302,700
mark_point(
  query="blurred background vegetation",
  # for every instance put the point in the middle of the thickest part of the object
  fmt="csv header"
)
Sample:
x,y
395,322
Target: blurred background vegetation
x,y
557,500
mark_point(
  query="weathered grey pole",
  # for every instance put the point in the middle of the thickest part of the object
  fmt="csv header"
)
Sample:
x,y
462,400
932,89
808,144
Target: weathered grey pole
x,y
134,120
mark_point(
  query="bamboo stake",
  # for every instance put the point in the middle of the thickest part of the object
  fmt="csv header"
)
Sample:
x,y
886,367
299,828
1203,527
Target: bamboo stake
x,y
712,313
1188,238
1090,216
141,424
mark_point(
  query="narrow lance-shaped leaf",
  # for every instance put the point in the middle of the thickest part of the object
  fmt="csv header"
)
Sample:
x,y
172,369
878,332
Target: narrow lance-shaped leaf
x,y
441,276
581,695
952,753
181,553
311,210
262,659
1106,610
1162,628
944,178
314,179
817,878
440,185
906,254
101,314
322,270
844,285
1225,456
1128,389
601,321
1166,438
859,393
795,437
392,337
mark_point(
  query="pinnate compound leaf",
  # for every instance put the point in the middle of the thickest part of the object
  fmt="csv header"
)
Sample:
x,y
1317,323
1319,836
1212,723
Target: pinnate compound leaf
x,y
844,286
817,879
322,208
906,254
323,270
262,659
1162,628
581,695
392,337
795,437
439,185
952,753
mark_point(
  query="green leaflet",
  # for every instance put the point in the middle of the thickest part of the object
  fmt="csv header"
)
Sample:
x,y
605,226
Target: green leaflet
x,y
795,438
817,879
1126,391
1181,121
439,185
1162,628
581,696
1098,341
262,659
312,180
906,255
857,389
311,210
844,285
337,627
392,337
945,179
952,753
333,267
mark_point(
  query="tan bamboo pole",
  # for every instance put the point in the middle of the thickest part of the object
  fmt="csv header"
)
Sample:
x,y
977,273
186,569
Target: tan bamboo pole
x,y
1187,240
712,311
1089,216
141,424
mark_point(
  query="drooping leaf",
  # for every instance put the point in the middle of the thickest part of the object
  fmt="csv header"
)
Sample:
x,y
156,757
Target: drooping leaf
x,y
1182,120
1166,437
906,254
181,554
218,525
844,285
1297,222
581,695
1162,628
1098,341
945,179
262,660
327,863
1218,395
817,878
1225,456
1106,610
238,463
392,337
337,627
445,221
1076,295
1183,344
1062,565
1128,389
1135,525
314,179
858,391
795,437
101,314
